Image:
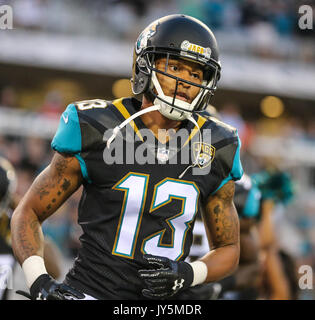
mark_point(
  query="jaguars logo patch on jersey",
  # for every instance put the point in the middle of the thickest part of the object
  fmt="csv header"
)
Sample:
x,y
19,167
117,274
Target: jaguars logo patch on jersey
x,y
206,155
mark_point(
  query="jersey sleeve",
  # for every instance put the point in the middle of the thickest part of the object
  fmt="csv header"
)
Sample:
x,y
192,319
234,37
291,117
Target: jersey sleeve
x,y
68,138
230,163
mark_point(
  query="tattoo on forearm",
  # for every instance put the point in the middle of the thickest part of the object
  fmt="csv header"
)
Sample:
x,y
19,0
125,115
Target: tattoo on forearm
x,y
28,237
222,220
47,193
35,227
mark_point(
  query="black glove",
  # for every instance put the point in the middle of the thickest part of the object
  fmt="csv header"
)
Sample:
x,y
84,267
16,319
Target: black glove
x,y
46,288
166,278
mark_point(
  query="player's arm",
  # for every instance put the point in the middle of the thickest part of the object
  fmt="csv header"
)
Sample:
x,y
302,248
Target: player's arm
x,y
276,279
274,273
48,192
265,226
222,227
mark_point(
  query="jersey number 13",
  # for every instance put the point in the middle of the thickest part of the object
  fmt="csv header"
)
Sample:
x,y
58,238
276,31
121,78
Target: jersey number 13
x,y
135,186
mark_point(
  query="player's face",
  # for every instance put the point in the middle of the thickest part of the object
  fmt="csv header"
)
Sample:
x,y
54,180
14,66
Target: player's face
x,y
183,69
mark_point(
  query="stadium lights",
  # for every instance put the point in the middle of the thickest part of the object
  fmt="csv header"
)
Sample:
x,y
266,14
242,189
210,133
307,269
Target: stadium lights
x,y
272,107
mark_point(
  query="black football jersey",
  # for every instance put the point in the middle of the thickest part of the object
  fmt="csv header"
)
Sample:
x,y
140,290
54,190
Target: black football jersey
x,y
140,196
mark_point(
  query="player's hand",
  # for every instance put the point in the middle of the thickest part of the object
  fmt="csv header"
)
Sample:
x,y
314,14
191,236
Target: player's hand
x,y
46,288
166,277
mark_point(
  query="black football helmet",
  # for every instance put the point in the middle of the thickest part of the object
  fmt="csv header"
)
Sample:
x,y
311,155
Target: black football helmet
x,y
7,184
178,36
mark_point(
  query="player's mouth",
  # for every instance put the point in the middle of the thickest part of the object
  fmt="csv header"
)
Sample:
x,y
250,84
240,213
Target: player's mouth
x,y
182,96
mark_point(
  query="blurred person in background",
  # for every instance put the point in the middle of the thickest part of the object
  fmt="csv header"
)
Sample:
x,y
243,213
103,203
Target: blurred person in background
x,y
8,268
53,104
279,280
8,97
7,260
36,153
245,284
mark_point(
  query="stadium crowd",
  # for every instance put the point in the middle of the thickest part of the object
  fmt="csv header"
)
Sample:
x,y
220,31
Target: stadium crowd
x,y
250,26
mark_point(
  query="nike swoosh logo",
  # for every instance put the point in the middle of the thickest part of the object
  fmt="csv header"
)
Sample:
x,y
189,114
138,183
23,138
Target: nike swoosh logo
x,y
66,119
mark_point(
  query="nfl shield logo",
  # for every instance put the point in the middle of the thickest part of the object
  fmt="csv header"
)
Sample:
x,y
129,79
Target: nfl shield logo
x,y
163,154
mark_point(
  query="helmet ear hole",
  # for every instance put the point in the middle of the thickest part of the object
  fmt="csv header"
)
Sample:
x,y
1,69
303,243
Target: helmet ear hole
x,y
140,83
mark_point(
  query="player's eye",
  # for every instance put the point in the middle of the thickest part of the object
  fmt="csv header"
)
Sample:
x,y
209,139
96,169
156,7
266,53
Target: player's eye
x,y
196,75
173,67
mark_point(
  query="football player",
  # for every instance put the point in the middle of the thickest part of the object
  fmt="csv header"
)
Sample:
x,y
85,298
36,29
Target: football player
x,y
278,280
137,215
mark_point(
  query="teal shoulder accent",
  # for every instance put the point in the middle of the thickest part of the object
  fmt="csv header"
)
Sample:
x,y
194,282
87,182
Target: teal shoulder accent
x,y
68,136
252,205
236,172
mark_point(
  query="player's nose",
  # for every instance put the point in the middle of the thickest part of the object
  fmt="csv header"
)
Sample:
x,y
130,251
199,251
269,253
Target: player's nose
x,y
185,75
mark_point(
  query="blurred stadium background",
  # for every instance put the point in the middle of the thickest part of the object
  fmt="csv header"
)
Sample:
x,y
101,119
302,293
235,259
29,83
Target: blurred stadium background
x,y
64,51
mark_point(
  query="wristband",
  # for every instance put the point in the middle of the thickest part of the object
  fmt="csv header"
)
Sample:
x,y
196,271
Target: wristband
x,y
33,267
200,271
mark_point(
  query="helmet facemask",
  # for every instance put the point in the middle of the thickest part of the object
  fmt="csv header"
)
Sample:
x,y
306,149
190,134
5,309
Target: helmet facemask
x,y
170,106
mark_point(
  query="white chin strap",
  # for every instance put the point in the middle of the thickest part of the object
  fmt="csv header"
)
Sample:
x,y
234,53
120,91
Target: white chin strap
x,y
149,109
124,123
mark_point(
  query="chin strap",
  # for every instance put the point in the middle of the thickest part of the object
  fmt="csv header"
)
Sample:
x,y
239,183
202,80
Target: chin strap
x,y
123,124
149,109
